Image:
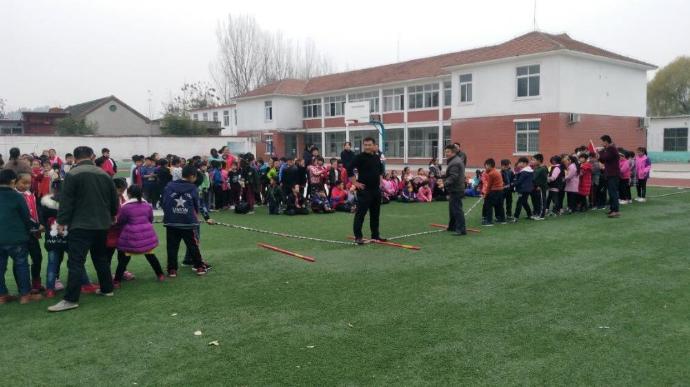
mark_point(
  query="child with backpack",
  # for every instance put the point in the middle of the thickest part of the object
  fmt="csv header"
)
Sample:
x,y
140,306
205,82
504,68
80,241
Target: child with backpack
x,y
524,185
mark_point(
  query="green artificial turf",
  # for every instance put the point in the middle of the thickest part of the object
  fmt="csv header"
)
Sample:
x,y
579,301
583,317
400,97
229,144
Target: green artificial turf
x,y
579,299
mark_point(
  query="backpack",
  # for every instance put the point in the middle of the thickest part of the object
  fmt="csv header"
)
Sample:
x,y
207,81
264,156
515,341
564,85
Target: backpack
x,y
242,208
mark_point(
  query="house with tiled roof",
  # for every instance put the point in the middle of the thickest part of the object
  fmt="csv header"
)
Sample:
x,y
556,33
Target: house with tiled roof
x,y
537,93
224,116
112,117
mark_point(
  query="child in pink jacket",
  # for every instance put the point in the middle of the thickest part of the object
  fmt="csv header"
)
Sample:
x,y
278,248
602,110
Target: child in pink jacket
x,y
643,166
625,174
424,193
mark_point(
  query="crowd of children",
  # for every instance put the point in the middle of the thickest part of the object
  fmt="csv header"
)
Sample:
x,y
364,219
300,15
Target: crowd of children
x,y
184,189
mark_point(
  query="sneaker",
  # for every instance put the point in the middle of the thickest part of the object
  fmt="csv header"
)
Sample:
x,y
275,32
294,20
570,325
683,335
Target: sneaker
x,y
501,221
642,200
27,298
231,208
201,271
161,277
36,286
172,273
4,299
116,284
629,201
536,217
379,239
251,213
89,289
513,220
100,293
128,276
460,233
359,241
614,215
62,306
50,293
58,285
487,224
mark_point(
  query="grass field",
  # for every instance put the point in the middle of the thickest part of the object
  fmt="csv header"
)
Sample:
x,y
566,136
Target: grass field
x,y
580,300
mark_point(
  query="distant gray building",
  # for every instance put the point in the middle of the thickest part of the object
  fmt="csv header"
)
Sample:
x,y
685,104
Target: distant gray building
x,y
113,118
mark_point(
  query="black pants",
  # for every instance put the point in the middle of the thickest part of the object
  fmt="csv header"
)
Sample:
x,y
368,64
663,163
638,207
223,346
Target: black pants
x,y
641,188
552,198
613,183
368,201
79,243
572,201
123,260
36,255
624,190
456,216
173,237
600,196
493,203
219,196
539,202
522,202
508,197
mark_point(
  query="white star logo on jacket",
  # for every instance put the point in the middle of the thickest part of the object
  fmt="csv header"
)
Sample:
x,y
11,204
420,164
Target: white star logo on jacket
x,y
179,202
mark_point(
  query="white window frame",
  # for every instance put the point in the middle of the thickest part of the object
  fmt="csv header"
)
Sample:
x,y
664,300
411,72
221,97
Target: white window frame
x,y
196,116
205,115
215,117
268,111
371,96
426,92
269,144
529,75
394,99
311,108
468,86
226,118
337,102
527,121
447,93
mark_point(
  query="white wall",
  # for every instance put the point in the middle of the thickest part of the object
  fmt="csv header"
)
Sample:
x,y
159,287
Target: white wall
x,y
568,84
494,89
596,87
655,132
287,113
124,147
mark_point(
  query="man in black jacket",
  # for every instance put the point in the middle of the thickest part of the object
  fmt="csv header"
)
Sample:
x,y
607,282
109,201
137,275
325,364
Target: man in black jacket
x,y
455,185
347,155
88,205
368,181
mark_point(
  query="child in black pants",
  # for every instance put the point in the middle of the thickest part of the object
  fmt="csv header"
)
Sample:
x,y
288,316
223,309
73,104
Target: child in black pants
x,y
524,185
181,208
508,188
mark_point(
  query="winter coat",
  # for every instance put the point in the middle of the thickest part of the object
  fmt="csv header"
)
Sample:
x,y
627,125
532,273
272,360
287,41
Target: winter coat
x,y
455,175
609,156
137,235
643,166
180,205
572,180
625,171
524,180
585,179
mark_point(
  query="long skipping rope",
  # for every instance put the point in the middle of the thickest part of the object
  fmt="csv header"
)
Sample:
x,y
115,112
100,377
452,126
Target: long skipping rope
x,y
433,231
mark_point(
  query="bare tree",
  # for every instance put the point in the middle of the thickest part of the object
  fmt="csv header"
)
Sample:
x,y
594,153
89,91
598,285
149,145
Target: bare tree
x,y
191,96
250,57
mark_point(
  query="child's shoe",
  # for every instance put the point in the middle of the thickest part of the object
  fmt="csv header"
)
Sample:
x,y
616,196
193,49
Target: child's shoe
x,y
486,223
161,277
128,276
201,270
50,293
116,284
89,289
4,299
172,273
36,286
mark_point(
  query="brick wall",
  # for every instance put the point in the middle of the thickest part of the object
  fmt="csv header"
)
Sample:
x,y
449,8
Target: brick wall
x,y
486,137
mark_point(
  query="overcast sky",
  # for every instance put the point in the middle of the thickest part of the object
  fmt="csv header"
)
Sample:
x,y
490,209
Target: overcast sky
x,y
60,53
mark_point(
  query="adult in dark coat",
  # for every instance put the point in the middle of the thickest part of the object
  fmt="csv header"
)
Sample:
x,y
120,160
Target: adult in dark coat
x,y
455,186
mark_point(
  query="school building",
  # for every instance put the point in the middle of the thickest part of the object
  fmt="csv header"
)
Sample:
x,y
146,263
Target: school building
x,y
667,139
538,92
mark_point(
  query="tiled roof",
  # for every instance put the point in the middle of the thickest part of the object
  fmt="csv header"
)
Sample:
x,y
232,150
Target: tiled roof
x,y
229,105
80,111
530,43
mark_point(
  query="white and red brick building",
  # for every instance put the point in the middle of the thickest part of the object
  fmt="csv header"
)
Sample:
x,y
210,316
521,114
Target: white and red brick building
x,y
536,93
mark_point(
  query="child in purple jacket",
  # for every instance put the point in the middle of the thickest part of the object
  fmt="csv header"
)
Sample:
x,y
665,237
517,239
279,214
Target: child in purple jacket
x,y
137,236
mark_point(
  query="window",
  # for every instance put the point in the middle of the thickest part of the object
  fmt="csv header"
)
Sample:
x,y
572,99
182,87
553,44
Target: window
x,y
334,105
11,130
527,137
215,117
112,107
196,117
226,118
313,139
236,117
423,96
268,110
446,135
290,141
422,142
394,100
394,143
465,88
311,108
356,138
205,115
675,139
269,145
334,144
528,81
447,89
371,96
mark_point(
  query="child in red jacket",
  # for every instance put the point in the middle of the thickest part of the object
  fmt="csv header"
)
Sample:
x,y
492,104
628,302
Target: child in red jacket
x,y
585,184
